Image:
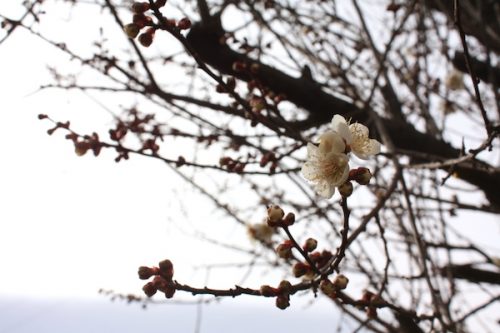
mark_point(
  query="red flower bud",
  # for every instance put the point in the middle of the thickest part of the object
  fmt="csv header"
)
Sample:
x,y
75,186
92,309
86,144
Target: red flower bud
x,y
149,289
285,287
166,269
282,302
300,269
147,272
268,291
310,245
284,250
140,7
184,24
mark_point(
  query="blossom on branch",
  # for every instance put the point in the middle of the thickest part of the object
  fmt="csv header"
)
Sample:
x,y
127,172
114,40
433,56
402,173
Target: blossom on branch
x,y
327,165
355,137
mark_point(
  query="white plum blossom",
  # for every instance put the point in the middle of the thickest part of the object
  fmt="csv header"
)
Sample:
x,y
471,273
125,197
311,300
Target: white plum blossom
x,y
355,137
327,164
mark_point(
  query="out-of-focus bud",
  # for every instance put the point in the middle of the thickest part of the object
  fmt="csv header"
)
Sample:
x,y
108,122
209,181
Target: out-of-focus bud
x,y
310,245
285,287
300,269
340,282
131,30
289,219
268,291
346,189
284,250
274,214
169,292
282,302
166,269
361,175
328,288
184,24
81,147
147,272
149,289
140,7
146,39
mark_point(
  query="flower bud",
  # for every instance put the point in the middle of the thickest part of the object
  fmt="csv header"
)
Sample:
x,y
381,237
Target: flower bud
x,y
300,269
310,245
149,289
81,147
147,272
169,292
361,175
131,30
140,7
146,39
285,287
166,269
346,189
340,282
328,288
284,250
184,24
268,291
289,219
274,214
282,302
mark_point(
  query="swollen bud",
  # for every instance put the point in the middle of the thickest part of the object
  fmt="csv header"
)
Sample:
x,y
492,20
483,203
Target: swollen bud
x,y
283,301
300,269
268,291
149,289
284,250
310,245
361,175
274,214
166,269
147,272
346,189
340,282
131,30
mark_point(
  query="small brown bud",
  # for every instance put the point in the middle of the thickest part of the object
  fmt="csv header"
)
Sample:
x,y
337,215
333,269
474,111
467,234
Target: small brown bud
x,y
131,30
340,282
147,272
285,287
328,288
284,250
146,39
346,189
169,292
149,289
282,302
81,147
289,219
184,24
361,175
310,245
239,66
140,7
268,291
300,269
141,20
274,214
166,269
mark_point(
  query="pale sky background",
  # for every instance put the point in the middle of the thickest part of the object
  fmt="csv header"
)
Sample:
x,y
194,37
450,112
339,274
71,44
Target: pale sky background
x,y
70,225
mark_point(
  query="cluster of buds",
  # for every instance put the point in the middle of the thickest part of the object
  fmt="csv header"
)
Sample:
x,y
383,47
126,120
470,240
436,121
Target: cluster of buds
x,y
162,279
142,21
331,288
232,165
282,293
276,217
319,259
370,301
82,143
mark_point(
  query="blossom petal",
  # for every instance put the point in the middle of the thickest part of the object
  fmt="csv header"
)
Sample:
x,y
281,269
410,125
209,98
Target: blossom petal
x,y
340,126
331,142
324,189
362,146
